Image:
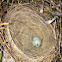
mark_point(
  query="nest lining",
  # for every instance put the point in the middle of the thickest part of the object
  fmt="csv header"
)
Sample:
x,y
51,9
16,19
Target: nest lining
x,y
25,25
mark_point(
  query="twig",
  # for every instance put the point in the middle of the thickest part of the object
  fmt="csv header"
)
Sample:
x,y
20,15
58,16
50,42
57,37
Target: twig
x,y
60,29
2,28
12,2
50,6
8,3
4,24
2,0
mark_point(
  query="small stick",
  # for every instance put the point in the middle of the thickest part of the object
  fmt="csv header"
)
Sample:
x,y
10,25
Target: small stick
x,y
8,3
12,2
41,10
60,47
0,18
24,4
2,28
55,3
2,0
4,24
50,6
50,21
43,4
18,1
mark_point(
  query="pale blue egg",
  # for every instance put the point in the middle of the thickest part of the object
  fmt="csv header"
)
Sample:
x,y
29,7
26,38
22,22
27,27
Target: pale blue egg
x,y
36,42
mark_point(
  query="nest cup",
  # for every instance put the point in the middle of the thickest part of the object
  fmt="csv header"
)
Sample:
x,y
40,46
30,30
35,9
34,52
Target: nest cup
x,y
25,24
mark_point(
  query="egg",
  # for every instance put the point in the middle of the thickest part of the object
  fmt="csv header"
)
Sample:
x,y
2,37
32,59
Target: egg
x,y
36,42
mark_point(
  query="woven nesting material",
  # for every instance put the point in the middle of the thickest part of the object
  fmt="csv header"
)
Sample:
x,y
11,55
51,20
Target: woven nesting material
x,y
25,24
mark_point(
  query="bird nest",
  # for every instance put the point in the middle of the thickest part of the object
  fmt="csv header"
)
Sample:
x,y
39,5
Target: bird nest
x,y
24,25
